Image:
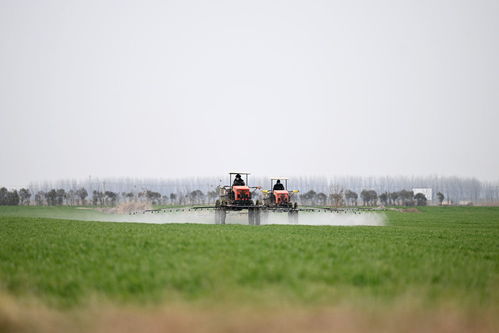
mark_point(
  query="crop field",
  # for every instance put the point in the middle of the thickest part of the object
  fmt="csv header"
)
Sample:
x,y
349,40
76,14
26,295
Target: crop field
x,y
435,269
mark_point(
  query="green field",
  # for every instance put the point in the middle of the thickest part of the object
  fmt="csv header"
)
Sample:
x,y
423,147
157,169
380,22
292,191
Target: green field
x,y
439,256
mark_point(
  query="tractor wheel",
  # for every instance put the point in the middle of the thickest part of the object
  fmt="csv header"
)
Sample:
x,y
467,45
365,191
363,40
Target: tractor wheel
x,y
217,203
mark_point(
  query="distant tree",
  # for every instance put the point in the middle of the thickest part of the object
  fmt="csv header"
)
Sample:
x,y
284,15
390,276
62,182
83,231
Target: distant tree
x,y
153,197
407,197
12,198
321,199
364,195
70,197
173,198
40,198
420,199
373,198
309,198
128,196
24,196
60,196
110,198
183,199
9,198
196,196
383,197
336,195
393,198
97,198
212,196
82,195
337,199
51,197
351,197
369,197
3,196
440,198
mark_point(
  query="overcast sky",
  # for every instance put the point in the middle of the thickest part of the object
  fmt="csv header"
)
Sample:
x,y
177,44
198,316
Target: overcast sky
x,y
180,88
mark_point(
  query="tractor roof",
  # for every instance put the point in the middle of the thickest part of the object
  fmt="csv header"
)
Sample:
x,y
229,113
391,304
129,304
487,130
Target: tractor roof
x,y
279,178
241,173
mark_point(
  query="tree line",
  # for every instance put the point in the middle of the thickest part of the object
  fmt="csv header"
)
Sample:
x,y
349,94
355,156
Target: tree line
x,y
455,189
82,197
343,198
14,197
338,197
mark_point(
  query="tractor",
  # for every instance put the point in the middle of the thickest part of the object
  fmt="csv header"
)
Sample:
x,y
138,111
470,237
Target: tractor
x,y
278,198
236,197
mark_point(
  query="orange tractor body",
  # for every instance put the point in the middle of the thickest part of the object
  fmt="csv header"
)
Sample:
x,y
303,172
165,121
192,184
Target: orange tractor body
x,y
241,193
281,197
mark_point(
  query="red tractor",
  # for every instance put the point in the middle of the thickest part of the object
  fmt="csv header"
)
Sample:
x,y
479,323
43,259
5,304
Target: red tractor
x,y
278,199
279,196
235,197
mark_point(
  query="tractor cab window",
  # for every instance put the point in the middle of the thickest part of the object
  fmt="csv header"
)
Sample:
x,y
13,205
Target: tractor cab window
x,y
278,186
238,181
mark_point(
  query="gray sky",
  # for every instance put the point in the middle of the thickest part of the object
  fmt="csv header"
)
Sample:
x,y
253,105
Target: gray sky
x,y
179,88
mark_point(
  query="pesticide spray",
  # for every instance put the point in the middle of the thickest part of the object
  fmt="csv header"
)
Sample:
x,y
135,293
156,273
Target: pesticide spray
x,y
207,216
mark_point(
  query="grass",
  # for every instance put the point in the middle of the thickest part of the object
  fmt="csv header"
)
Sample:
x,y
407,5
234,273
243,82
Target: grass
x,y
447,255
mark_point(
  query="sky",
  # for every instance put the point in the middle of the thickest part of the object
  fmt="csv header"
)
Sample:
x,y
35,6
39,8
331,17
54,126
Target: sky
x,y
165,89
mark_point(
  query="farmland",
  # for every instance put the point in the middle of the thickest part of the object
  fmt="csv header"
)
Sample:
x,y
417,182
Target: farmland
x,y
432,259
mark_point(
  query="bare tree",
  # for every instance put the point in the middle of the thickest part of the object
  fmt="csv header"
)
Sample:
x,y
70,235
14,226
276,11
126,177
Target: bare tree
x,y
337,199
336,195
